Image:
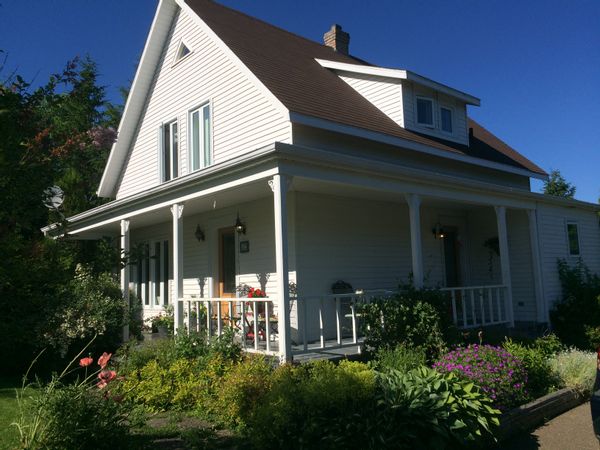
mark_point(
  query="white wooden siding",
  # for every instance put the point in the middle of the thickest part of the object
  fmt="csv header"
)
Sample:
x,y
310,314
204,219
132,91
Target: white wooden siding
x,y
460,133
554,245
384,93
243,119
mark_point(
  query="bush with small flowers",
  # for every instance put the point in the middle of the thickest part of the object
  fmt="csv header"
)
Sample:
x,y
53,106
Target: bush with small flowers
x,y
498,373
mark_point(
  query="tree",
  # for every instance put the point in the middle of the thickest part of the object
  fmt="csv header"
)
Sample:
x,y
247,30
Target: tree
x,y
557,185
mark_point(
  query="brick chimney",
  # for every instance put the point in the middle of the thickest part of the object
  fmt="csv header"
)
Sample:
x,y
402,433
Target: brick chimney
x,y
337,39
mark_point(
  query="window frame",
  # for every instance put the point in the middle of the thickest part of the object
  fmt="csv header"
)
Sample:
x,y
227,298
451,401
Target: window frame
x,y
161,149
202,163
569,252
176,58
432,102
451,110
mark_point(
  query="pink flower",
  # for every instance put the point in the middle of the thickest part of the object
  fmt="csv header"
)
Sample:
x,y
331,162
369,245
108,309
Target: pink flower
x,y
103,360
105,377
84,362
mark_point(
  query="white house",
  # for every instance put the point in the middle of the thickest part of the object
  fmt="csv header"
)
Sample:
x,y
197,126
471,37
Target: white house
x,y
332,169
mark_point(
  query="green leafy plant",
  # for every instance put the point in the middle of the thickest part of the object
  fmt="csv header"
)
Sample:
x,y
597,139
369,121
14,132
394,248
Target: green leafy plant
x,y
499,374
575,369
401,358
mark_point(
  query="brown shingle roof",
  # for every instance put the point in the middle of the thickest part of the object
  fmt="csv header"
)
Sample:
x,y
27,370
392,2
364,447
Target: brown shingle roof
x,y
285,63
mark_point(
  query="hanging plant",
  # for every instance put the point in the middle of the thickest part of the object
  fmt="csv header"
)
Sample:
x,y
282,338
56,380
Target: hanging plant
x,y
493,246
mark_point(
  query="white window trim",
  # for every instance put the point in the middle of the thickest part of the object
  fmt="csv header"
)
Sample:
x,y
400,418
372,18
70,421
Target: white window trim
x,y
429,99
452,115
177,60
161,146
569,254
201,165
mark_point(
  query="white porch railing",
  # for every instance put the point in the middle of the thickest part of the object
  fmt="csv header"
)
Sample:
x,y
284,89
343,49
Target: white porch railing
x,y
476,306
251,319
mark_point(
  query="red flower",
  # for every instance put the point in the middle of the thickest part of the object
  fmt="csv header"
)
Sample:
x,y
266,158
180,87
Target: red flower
x,y
84,362
105,377
103,360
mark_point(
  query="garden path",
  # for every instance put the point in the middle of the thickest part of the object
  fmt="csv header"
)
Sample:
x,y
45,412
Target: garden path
x,y
569,431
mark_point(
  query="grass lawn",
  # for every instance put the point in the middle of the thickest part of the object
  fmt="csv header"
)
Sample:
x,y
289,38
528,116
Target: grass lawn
x,y
8,412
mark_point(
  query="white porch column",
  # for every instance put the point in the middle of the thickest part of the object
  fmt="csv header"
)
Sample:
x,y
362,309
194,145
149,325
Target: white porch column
x,y
177,212
541,307
414,210
125,273
279,185
504,261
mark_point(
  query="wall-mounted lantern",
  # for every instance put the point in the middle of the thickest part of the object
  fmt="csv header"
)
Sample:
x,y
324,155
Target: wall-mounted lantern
x,y
199,234
239,226
438,231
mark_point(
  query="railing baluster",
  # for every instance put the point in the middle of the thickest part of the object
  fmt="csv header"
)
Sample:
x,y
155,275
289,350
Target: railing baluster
x,y
255,315
208,319
219,319
454,318
472,297
498,304
243,321
267,326
481,306
189,316
338,320
321,331
304,325
354,330
490,308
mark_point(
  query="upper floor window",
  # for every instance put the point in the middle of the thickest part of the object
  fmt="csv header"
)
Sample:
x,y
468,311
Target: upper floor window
x,y
182,51
200,138
446,119
169,151
573,238
425,111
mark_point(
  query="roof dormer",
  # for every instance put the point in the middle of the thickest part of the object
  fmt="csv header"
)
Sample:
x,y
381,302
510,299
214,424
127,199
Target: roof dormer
x,y
412,101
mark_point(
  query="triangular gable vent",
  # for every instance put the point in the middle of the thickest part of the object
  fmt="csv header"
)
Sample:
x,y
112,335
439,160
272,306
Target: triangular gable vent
x,y
182,52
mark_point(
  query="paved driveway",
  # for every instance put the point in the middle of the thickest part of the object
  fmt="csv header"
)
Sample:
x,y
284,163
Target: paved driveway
x,y
569,431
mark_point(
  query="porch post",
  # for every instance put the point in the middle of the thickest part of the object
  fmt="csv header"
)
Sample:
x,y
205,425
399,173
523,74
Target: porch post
x,y
542,310
279,185
414,210
125,273
177,212
504,261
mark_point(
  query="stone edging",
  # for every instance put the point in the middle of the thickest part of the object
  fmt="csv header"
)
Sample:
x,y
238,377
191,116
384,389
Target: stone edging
x,y
527,417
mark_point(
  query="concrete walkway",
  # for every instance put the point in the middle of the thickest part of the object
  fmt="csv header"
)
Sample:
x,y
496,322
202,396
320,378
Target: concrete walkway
x,y
569,431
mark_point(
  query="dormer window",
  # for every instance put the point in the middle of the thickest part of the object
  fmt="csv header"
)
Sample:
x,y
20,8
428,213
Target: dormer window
x,y
446,119
425,111
169,151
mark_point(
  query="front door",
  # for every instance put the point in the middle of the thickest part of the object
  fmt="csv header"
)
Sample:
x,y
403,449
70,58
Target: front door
x,y
451,258
227,268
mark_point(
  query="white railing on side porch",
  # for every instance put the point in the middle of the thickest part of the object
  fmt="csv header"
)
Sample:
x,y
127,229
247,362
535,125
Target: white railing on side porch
x,y
345,309
252,320
475,306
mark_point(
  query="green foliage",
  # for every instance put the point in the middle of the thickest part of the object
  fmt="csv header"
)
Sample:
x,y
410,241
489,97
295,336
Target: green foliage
x,y
541,379
427,409
557,185
575,369
499,374
548,345
94,307
400,358
412,319
576,318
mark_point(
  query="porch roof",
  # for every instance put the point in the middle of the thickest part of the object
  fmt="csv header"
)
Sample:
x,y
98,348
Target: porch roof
x,y
312,165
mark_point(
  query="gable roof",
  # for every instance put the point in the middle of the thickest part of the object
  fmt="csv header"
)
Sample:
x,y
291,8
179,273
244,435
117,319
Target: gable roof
x,y
287,65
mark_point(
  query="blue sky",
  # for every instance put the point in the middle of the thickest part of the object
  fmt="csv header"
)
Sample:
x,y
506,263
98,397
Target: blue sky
x,y
534,64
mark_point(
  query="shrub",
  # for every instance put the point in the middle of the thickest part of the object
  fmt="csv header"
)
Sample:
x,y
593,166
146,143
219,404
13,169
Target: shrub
x,y
406,320
540,377
575,369
401,358
548,345
576,318
427,409
498,373
133,356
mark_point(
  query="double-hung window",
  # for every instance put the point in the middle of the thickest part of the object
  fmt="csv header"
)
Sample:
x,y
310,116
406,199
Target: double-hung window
x,y
425,111
169,151
573,238
446,119
200,138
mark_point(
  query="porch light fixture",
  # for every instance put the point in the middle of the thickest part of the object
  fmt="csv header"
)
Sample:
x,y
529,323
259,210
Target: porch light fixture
x,y
239,226
438,231
199,234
